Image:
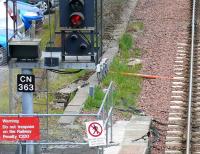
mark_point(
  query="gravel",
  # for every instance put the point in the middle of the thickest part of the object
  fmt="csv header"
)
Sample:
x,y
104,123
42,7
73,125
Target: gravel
x,y
165,22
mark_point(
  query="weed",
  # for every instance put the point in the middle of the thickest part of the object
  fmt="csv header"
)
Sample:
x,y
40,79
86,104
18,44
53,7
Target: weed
x,y
94,102
135,27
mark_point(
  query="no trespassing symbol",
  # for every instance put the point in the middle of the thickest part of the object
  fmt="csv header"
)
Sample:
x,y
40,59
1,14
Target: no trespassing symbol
x,y
95,129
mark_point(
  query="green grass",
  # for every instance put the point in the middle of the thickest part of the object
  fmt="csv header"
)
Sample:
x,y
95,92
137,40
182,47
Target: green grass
x,y
45,34
137,53
94,103
126,88
126,42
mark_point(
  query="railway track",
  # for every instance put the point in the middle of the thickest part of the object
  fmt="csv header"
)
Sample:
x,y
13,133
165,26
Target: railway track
x,y
183,135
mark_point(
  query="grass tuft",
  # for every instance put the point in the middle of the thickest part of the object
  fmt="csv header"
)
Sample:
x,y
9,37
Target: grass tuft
x,y
135,27
94,102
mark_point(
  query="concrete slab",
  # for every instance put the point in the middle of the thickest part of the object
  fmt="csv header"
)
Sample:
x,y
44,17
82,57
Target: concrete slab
x,y
74,106
71,150
140,149
129,136
67,119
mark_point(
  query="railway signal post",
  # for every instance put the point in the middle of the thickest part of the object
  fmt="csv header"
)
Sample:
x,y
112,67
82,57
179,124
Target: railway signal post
x,y
80,31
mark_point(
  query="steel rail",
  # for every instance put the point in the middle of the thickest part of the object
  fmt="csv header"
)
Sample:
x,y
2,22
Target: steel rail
x,y
188,142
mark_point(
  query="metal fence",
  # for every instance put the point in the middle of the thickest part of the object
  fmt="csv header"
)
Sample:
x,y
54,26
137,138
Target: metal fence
x,y
52,138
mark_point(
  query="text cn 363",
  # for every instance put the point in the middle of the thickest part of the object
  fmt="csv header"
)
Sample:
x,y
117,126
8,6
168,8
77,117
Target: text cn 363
x,y
25,83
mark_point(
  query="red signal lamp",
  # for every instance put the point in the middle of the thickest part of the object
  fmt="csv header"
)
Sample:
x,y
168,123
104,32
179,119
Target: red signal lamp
x,y
76,19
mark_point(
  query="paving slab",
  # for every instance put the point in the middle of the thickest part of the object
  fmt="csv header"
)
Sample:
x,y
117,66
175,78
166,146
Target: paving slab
x,y
128,136
71,150
140,149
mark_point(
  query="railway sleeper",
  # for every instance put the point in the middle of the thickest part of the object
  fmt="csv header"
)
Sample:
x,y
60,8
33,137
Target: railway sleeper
x,y
197,79
176,121
180,92
196,104
196,109
174,139
182,55
195,147
175,133
183,45
181,114
173,152
196,90
178,98
195,134
180,78
179,73
196,124
181,66
180,69
196,140
178,57
178,111
177,108
197,114
196,99
175,126
180,87
180,62
180,103
180,83
174,146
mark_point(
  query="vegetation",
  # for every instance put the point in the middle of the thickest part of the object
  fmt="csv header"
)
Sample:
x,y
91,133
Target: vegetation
x,y
47,32
126,88
135,27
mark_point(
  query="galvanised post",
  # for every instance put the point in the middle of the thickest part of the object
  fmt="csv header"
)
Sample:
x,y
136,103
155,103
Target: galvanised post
x,y
27,108
111,100
12,106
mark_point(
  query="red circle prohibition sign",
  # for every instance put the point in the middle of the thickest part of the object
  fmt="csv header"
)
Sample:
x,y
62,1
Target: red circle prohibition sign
x,y
95,129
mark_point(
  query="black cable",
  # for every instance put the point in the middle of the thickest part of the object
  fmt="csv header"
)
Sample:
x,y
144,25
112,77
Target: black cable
x,y
160,123
155,134
64,72
142,137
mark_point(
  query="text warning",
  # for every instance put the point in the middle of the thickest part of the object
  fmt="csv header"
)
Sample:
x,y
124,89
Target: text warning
x,y
19,128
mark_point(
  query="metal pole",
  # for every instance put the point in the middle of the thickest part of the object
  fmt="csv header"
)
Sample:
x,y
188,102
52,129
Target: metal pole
x,y
27,108
12,106
111,112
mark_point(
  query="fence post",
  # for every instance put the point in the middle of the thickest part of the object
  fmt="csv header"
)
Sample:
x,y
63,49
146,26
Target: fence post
x,y
111,121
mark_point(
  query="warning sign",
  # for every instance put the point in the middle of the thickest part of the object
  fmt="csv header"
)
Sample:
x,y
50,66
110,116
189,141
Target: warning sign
x,y
95,133
19,128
